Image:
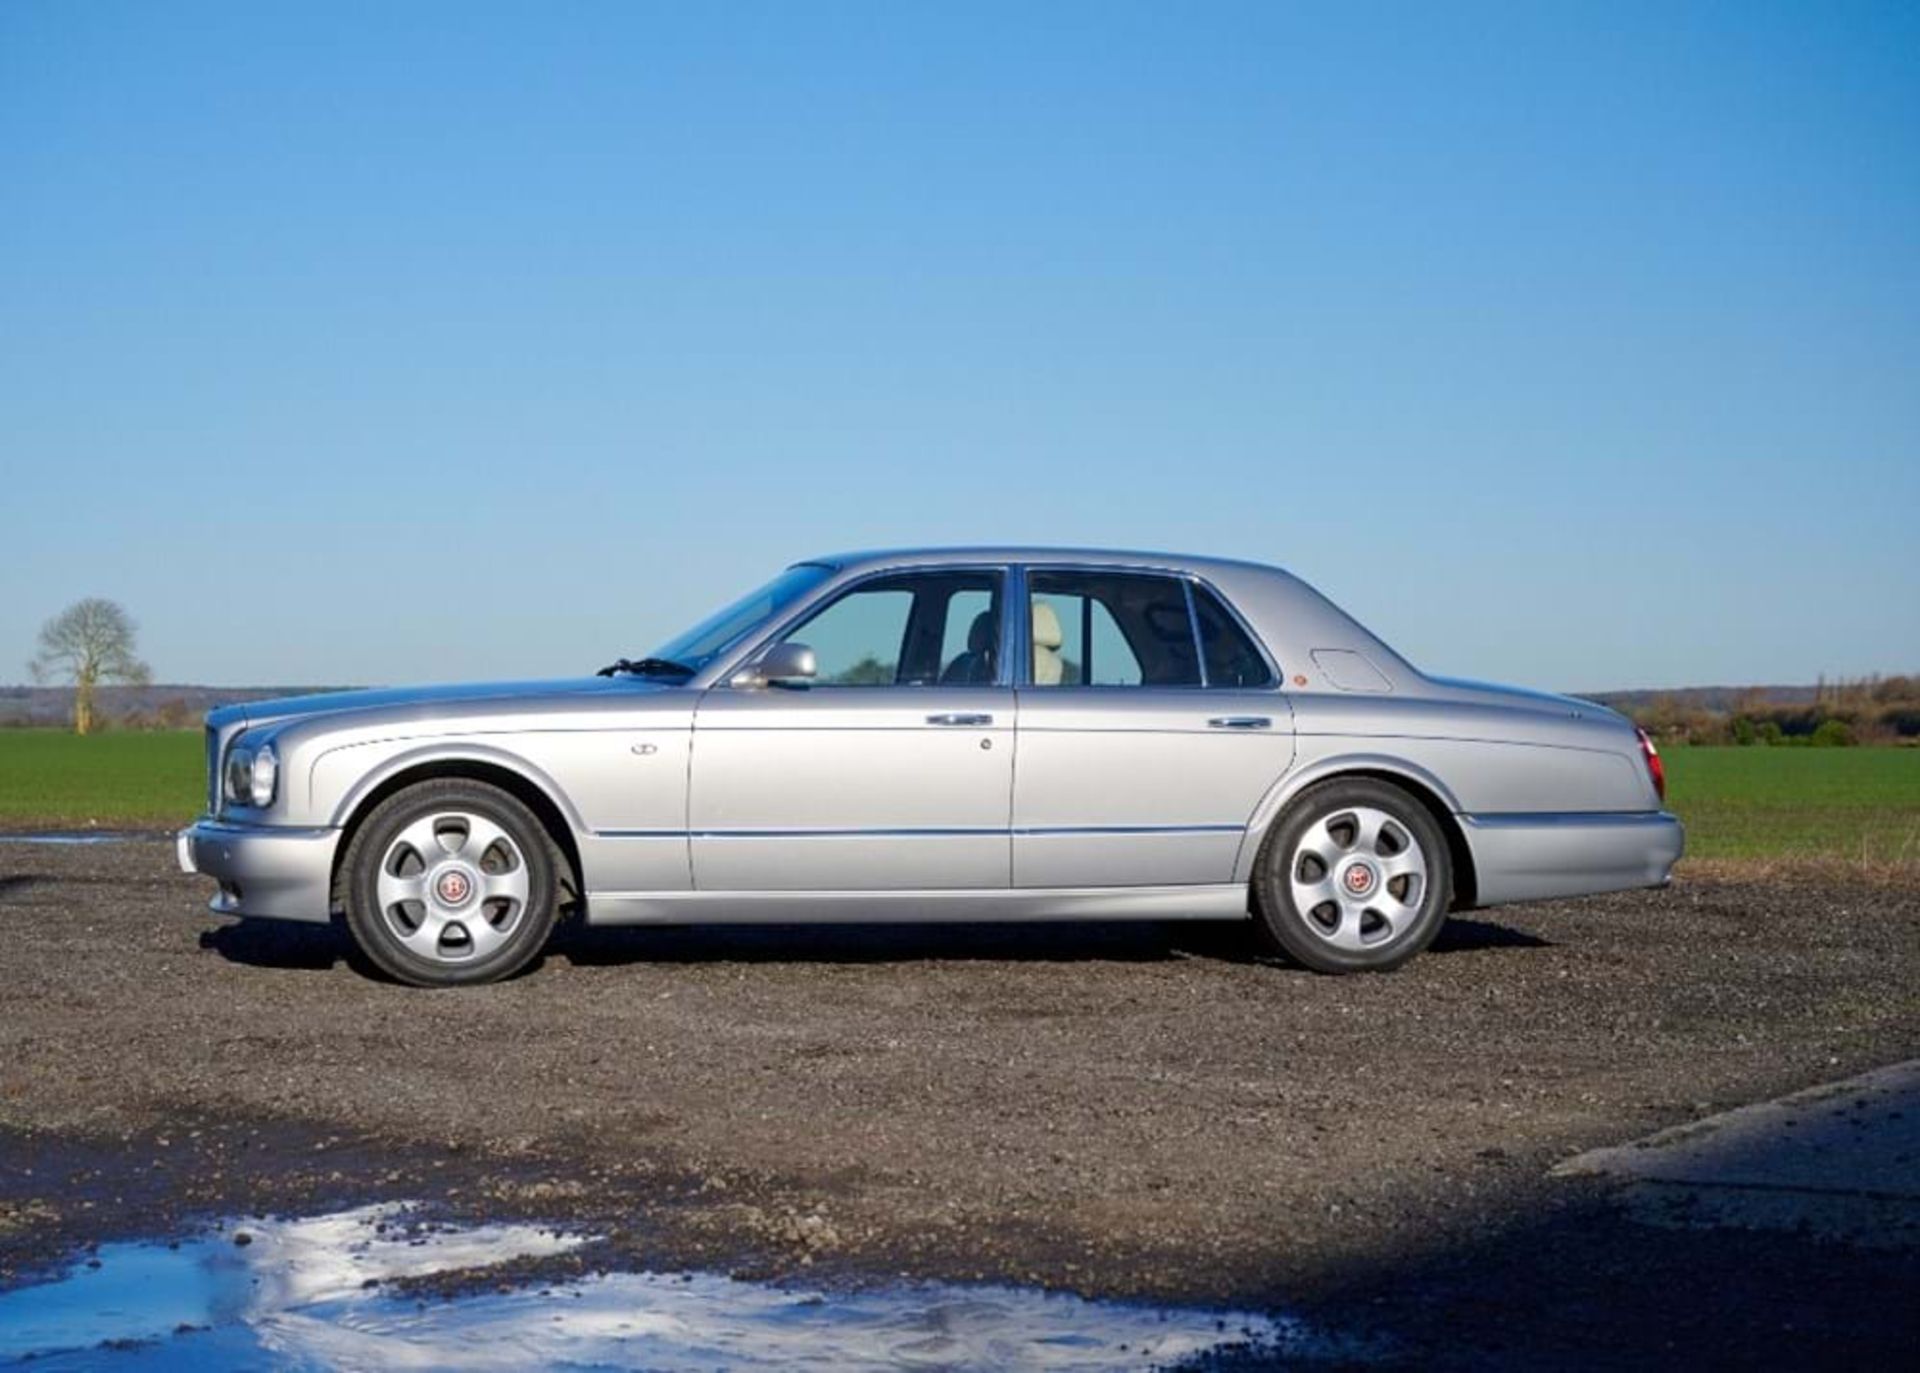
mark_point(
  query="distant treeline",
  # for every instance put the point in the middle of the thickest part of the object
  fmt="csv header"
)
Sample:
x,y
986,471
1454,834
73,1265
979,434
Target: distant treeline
x,y
160,705
1871,710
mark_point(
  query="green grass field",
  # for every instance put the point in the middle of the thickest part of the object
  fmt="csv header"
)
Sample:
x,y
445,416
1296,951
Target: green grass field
x,y
1738,803
54,779
1852,804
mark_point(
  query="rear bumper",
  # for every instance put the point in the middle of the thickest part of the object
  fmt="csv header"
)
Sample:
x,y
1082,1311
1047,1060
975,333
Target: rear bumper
x,y
279,874
1534,856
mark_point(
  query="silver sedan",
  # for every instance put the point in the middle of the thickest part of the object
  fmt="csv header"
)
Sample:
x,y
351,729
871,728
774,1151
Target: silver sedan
x,y
971,734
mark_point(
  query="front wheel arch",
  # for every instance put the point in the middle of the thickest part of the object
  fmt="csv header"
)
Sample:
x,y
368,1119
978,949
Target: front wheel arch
x,y
517,785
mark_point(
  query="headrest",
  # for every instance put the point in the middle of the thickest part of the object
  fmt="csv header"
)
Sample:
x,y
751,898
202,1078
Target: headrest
x,y
984,633
1046,625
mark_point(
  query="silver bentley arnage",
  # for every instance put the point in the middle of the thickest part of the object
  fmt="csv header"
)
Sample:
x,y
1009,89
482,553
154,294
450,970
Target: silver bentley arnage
x,y
968,734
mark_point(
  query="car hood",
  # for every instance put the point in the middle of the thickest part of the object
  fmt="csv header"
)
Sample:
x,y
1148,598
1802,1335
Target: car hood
x,y
428,700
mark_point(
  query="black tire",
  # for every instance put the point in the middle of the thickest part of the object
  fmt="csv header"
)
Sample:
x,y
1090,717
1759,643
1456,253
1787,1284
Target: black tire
x,y
1391,919
516,925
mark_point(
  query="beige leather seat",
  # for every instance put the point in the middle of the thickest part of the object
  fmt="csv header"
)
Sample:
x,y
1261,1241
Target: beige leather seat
x,y
976,664
1047,639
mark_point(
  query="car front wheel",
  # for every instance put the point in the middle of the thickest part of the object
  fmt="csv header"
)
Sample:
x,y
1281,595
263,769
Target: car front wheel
x,y
1355,877
450,882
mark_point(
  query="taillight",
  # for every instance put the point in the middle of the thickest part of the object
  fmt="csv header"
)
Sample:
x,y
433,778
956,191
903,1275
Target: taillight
x,y
1655,768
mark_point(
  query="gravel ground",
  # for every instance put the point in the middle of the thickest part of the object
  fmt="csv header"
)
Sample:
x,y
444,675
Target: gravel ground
x,y
1130,1111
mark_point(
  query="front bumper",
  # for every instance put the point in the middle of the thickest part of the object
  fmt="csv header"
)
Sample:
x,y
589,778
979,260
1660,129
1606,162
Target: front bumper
x,y
1537,856
278,874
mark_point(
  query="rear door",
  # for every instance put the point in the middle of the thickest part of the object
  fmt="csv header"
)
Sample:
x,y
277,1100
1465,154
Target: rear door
x,y
1151,725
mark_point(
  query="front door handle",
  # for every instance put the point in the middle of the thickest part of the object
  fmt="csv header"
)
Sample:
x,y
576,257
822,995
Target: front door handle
x,y
1240,722
960,719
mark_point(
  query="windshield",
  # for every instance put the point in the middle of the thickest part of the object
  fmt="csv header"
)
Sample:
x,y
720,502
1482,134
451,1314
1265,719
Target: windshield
x,y
724,628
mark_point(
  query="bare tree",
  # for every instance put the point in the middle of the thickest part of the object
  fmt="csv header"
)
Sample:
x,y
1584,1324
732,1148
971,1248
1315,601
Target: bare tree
x,y
89,642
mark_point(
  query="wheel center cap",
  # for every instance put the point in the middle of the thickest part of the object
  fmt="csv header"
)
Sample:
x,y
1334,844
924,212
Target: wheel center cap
x,y
454,886
1359,879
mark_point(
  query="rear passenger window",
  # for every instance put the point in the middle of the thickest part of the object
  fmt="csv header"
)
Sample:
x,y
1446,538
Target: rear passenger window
x,y
1110,629
1232,658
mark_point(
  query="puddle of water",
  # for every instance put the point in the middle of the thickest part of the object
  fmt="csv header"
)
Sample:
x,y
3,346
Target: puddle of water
x,y
71,838
306,1294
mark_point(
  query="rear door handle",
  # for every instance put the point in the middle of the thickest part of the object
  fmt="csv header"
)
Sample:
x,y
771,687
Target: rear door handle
x,y
1240,722
960,719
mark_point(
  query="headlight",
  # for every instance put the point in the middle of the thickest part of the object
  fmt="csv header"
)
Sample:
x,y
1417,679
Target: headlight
x,y
252,775
266,773
239,786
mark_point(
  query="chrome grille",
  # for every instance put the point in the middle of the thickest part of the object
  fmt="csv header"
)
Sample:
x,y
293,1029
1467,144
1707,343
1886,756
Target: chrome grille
x,y
213,771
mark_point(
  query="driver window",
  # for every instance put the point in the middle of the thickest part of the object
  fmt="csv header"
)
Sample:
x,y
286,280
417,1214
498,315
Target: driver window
x,y
917,629
856,640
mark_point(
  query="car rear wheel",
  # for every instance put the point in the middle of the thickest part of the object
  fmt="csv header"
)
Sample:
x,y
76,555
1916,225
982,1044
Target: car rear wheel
x,y
1355,877
449,883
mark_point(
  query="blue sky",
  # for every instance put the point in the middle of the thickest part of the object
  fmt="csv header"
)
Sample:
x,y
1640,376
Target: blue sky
x,y
1572,345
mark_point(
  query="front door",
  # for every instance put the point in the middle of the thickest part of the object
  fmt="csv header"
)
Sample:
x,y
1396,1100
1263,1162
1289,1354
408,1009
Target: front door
x,y
891,770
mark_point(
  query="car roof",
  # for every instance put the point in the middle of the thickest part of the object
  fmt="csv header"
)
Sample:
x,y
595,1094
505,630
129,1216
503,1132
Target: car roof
x,y
874,558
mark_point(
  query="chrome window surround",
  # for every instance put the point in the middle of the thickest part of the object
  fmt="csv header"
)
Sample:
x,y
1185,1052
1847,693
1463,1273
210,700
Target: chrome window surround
x,y
832,594
1274,679
1015,647
1188,580
1193,628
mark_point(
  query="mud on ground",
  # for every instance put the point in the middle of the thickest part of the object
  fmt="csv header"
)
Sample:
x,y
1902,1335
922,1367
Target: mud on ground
x,y
1122,1110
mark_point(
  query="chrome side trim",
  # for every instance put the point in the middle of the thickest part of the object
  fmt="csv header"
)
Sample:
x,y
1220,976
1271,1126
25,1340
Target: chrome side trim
x,y
1227,901
1042,832
933,832
1532,819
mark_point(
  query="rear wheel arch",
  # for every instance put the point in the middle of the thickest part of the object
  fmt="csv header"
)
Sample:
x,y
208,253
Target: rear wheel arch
x,y
1353,876
1425,791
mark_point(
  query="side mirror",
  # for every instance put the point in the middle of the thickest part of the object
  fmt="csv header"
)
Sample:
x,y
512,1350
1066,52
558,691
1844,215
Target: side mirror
x,y
784,662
